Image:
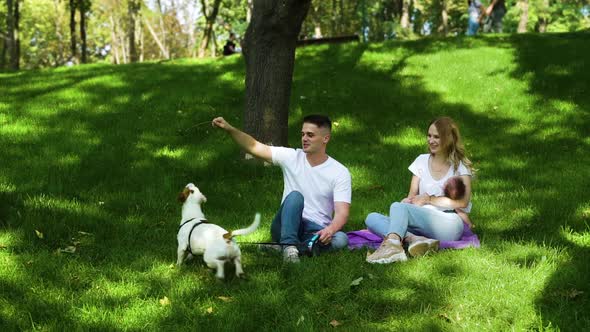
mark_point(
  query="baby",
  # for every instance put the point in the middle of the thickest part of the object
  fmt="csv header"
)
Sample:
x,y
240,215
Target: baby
x,y
454,188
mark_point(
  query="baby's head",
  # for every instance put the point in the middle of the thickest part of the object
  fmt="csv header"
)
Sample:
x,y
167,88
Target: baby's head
x,y
454,188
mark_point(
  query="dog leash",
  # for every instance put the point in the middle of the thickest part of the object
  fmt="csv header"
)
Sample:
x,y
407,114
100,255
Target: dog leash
x,y
201,221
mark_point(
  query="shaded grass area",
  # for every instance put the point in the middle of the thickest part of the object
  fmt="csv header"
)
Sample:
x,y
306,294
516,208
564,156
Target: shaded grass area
x,y
93,156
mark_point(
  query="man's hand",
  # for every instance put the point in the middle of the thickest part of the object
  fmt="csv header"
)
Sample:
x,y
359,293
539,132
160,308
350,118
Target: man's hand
x,y
220,123
325,235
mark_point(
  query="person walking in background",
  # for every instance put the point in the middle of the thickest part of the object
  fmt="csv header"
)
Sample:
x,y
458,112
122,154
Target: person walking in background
x,y
475,10
495,12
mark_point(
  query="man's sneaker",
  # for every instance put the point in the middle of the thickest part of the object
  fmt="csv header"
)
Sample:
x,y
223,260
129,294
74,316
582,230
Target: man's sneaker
x,y
270,247
291,254
390,251
422,245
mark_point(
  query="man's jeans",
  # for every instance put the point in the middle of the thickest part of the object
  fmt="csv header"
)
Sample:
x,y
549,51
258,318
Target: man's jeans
x,y
289,227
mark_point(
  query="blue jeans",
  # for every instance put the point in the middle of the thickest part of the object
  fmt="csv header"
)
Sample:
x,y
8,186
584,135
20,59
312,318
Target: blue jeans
x,y
473,27
289,227
404,217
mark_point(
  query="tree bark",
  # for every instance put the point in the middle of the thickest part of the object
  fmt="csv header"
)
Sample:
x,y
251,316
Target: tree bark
x,y
60,50
11,45
162,41
73,29
15,61
444,26
132,9
210,22
524,16
115,46
82,9
405,19
269,53
156,39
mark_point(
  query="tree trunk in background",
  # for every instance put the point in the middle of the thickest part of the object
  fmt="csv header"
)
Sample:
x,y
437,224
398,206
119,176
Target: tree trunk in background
x,y
269,53
444,24
316,19
405,19
15,61
132,9
210,21
524,16
156,39
249,11
82,9
11,40
115,46
59,59
162,41
73,53
543,17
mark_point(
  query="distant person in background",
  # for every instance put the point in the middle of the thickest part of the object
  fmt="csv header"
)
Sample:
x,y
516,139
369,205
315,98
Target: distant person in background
x,y
230,46
495,12
475,12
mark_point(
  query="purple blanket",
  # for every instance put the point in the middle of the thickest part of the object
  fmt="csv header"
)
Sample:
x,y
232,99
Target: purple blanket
x,y
364,238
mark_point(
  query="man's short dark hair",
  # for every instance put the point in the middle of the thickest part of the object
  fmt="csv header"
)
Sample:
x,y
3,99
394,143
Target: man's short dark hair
x,y
321,121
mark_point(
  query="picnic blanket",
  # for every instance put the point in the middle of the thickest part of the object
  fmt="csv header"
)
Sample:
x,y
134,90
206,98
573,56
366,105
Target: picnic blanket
x,y
364,238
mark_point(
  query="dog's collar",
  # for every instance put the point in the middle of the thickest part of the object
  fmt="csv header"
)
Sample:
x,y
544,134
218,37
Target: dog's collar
x,y
201,220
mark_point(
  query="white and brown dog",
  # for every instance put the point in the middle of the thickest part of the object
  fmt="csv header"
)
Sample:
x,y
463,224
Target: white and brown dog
x,y
197,236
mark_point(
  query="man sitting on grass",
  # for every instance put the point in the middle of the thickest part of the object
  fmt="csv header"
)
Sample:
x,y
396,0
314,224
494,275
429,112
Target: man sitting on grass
x,y
317,189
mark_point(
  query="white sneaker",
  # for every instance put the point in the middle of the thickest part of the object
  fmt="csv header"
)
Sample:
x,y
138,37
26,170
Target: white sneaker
x,y
422,246
290,254
390,251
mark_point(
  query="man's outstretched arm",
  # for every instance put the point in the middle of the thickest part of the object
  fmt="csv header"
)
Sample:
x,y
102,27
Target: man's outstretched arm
x,y
245,141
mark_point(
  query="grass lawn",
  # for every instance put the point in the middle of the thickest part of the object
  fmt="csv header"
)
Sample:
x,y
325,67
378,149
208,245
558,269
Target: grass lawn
x,y
92,158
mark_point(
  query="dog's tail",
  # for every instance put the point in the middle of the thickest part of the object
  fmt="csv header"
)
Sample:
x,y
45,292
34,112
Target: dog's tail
x,y
247,230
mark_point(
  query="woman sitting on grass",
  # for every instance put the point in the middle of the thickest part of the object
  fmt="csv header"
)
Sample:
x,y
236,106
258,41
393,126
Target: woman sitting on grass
x,y
430,174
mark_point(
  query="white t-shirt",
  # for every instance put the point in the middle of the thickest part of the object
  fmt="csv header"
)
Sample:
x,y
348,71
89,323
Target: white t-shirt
x,y
320,186
433,187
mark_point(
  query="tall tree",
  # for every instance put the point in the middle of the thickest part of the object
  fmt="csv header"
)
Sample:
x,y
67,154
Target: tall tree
x,y
210,13
269,53
83,6
524,16
12,44
73,29
133,7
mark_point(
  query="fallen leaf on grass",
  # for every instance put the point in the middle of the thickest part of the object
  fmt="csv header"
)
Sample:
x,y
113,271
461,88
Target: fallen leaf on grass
x,y
68,249
164,301
84,233
300,320
210,310
39,234
356,282
335,323
225,298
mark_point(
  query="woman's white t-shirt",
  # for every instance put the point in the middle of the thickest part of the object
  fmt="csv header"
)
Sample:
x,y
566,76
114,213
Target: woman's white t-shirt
x,y
428,185
321,185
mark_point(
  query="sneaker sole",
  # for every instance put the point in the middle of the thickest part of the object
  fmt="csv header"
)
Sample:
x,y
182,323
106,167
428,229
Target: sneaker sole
x,y
401,257
422,248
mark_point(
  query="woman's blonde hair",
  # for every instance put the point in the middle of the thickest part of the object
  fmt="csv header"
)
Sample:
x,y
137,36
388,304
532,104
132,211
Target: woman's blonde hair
x,y
450,141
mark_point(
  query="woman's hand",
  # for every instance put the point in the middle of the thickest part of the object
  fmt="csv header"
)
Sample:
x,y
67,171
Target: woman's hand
x,y
420,200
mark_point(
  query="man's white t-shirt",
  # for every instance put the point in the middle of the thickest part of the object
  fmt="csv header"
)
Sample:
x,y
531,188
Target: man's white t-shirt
x,y
320,186
433,187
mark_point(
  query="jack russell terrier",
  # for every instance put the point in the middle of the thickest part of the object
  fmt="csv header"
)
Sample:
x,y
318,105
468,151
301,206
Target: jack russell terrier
x,y
197,236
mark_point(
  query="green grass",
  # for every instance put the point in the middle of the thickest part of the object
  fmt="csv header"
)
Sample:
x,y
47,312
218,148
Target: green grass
x,y
93,157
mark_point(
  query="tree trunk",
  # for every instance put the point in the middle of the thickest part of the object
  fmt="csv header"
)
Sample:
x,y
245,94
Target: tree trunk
x,y
444,24
73,30
132,9
405,19
60,50
210,21
15,61
82,9
316,18
156,39
269,53
249,11
115,46
162,43
524,16
11,40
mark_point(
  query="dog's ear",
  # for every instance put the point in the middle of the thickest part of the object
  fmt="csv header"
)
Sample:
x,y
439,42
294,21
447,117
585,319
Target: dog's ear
x,y
182,196
228,236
